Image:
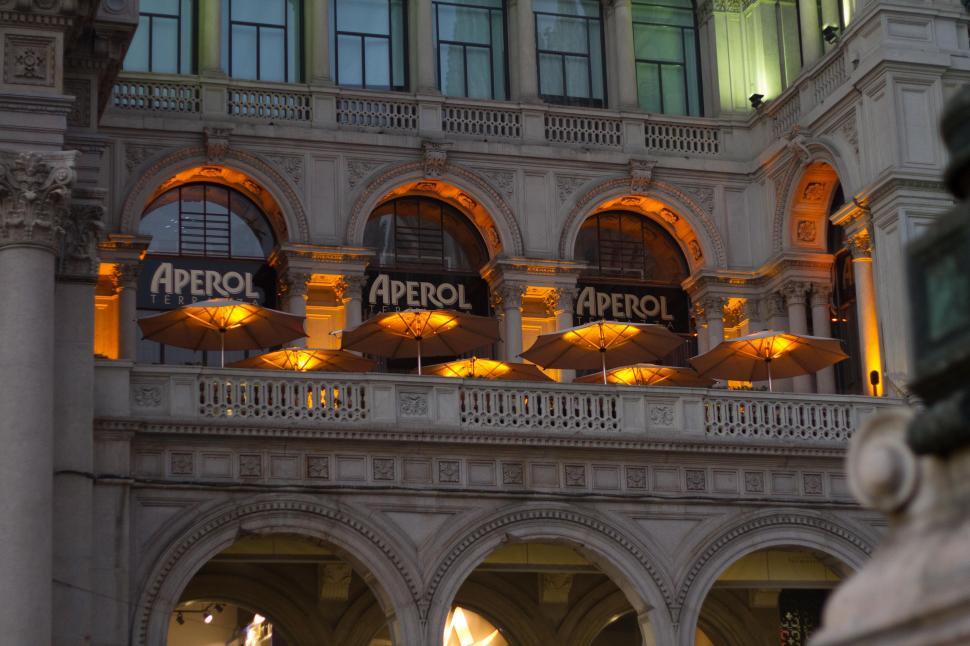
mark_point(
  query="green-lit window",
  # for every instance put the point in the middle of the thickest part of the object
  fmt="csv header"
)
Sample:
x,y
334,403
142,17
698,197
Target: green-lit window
x,y
665,42
469,38
369,45
164,40
261,39
569,51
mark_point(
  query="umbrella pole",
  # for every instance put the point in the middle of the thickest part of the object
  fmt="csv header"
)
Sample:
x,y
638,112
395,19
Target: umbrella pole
x,y
768,361
603,357
222,349
419,356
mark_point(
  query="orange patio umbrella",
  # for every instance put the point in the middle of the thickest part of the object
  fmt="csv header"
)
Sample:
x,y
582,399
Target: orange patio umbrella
x,y
488,369
222,323
598,344
420,333
308,360
767,355
650,374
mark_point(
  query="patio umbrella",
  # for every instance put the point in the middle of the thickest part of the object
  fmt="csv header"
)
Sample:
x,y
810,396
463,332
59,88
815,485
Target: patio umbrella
x,y
649,374
767,355
420,333
594,345
222,323
308,360
488,369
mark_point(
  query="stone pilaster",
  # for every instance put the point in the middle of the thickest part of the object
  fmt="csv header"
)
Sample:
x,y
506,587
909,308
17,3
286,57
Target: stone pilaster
x,y
293,288
35,190
822,326
621,15
796,296
507,297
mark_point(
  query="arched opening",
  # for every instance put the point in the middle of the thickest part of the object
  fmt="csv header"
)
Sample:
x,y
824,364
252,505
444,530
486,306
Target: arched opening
x,y
634,272
277,590
769,596
209,239
428,255
534,593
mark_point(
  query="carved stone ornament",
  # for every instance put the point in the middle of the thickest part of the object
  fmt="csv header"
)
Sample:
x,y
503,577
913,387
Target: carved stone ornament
x,y
560,300
449,471
695,250
318,467
669,216
641,174
661,416
434,158
358,169
512,473
29,60
294,283
216,144
508,295
290,165
860,245
35,191
83,227
502,180
806,231
575,475
795,292
144,396
821,294
567,185
350,286
413,404
250,466
696,480
814,192
636,478
774,306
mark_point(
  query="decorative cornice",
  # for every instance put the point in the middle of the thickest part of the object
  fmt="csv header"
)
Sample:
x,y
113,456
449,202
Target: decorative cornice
x,y
35,192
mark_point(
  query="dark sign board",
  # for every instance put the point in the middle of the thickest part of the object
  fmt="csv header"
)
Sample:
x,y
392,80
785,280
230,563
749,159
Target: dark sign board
x,y
390,291
166,282
635,303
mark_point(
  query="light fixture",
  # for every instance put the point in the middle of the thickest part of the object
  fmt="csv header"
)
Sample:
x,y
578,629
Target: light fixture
x,y
757,100
207,617
258,619
179,619
830,34
218,607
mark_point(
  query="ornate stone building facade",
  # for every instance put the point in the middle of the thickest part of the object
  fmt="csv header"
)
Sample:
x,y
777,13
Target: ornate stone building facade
x,y
187,149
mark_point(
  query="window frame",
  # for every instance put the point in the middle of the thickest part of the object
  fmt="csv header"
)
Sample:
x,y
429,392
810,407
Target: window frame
x,y
565,99
336,33
286,28
697,54
465,45
623,272
193,37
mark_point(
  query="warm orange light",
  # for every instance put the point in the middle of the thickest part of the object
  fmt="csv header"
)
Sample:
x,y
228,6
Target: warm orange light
x,y
224,317
418,324
475,368
460,632
602,336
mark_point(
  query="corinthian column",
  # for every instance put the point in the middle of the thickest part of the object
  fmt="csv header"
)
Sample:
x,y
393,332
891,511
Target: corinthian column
x,y
77,275
796,295
560,301
860,245
822,326
35,191
508,298
293,294
352,295
126,279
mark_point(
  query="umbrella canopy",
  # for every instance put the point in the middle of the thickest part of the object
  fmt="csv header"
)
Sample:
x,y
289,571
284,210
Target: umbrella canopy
x,y
649,374
418,333
487,369
222,323
308,360
769,355
592,345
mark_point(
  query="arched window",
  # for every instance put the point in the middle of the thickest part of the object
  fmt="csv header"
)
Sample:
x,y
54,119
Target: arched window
x,y
207,220
665,40
424,234
618,243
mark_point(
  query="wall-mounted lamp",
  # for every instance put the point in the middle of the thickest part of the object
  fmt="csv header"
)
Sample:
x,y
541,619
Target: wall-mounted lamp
x,y
757,100
179,619
830,34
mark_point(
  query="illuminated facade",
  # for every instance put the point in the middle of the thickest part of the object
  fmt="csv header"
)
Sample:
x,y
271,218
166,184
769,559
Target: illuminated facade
x,y
721,167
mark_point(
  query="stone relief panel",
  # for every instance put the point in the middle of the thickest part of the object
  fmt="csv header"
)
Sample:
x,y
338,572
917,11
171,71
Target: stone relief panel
x,y
29,59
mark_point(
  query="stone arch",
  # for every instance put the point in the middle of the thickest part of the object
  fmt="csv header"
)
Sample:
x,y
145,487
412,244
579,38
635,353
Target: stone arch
x,y
482,204
586,621
790,183
289,220
376,557
628,563
756,532
695,230
509,610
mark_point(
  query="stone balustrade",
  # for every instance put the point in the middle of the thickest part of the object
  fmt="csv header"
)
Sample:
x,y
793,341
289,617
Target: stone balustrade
x,y
286,400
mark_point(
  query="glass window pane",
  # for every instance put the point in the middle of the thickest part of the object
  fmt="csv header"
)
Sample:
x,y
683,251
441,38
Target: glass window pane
x,y
693,83
577,76
170,7
550,75
596,60
498,55
264,12
675,99
187,27
658,43
561,34
398,43
136,60
294,42
272,53
363,16
464,24
350,70
165,45
571,7
452,70
648,86
479,75
377,61
244,52
663,15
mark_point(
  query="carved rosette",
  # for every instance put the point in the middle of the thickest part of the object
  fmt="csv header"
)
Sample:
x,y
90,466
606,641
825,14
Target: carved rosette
x,y
35,192
83,227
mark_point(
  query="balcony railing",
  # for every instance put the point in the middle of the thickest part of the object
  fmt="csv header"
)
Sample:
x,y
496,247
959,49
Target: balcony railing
x,y
288,400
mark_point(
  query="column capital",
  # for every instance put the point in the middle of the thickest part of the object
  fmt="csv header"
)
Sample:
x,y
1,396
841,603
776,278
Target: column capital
x,y
795,292
774,305
294,283
559,300
507,295
83,226
710,305
126,274
860,245
350,287
821,294
35,191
